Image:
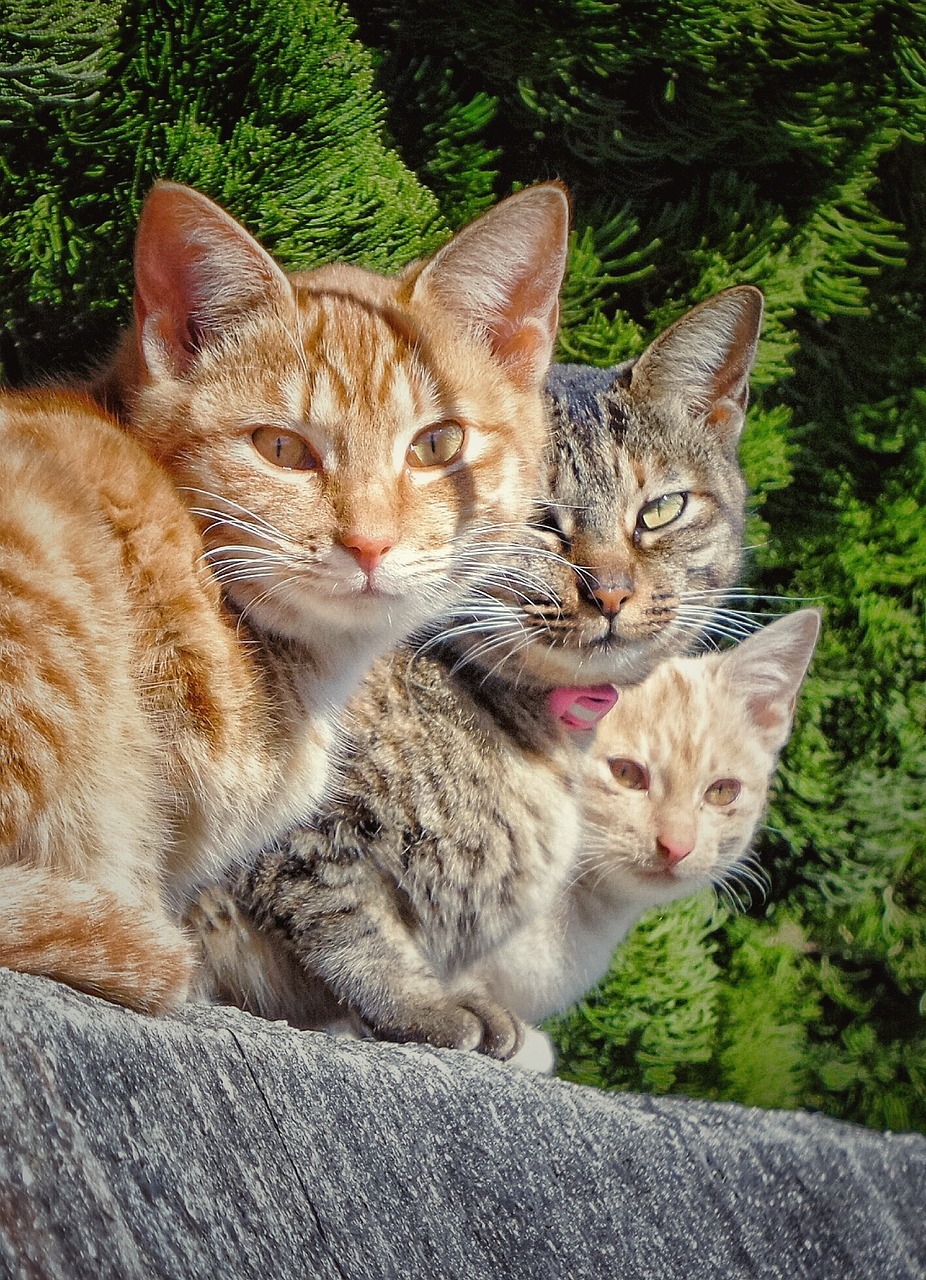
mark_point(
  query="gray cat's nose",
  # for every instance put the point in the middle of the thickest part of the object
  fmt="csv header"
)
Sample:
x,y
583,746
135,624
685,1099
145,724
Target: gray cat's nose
x,y
611,594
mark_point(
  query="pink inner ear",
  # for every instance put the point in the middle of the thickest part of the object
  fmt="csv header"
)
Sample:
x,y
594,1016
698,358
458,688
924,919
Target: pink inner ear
x,y
501,276
732,381
170,277
772,714
525,348
722,414
164,329
196,269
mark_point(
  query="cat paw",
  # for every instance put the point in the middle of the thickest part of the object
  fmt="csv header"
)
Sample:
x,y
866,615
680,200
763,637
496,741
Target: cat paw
x,y
502,1032
212,911
536,1053
467,1022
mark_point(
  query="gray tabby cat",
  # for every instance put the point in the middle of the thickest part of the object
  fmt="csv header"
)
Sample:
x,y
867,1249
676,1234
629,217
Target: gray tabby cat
x,y
457,814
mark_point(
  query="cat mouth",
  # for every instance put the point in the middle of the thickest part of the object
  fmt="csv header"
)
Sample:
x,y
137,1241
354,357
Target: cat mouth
x,y
664,875
607,642
367,592
612,637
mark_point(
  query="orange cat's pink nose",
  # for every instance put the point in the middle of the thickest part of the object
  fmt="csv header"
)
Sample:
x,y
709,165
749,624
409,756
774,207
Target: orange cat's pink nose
x,y
367,551
675,847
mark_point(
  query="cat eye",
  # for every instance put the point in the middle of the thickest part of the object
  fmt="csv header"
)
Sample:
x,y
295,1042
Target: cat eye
x,y
436,446
662,511
284,449
554,520
722,792
629,774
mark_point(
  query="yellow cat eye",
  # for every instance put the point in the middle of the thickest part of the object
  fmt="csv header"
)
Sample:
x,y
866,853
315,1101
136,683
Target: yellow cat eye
x,y
662,511
722,792
436,446
629,774
284,449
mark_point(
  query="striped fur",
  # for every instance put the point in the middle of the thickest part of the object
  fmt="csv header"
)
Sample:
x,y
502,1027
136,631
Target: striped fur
x,y
457,815
664,833
187,600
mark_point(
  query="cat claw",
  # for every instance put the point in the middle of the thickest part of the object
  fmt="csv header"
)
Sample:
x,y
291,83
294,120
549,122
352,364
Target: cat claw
x,y
502,1033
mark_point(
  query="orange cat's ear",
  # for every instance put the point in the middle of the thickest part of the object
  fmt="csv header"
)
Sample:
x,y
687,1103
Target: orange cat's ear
x,y
703,361
501,276
768,668
196,271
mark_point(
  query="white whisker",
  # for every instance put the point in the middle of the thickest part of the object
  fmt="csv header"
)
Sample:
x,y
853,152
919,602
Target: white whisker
x,y
490,644
252,518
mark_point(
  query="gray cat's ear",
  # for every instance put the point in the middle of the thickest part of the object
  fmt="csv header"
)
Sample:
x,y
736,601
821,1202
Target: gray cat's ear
x,y
501,276
768,668
703,361
196,271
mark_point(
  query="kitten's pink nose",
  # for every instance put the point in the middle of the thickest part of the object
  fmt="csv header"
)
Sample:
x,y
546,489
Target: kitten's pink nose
x,y
368,551
675,847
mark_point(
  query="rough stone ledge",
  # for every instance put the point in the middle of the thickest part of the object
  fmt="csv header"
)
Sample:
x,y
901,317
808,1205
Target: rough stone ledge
x,y
211,1144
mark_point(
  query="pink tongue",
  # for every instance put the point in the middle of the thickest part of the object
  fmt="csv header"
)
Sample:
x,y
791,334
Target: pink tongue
x,y
581,707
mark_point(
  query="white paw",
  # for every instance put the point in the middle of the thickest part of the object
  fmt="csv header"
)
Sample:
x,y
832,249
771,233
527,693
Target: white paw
x,y
536,1053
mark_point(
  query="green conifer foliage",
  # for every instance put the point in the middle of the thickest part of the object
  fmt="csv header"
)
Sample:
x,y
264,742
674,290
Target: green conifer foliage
x,y
778,143
266,105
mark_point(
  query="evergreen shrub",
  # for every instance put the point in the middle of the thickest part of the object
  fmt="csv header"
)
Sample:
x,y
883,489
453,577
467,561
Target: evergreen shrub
x,y
776,142
781,144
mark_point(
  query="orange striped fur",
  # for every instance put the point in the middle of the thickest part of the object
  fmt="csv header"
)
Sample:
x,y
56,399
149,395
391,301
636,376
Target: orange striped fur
x,y
305,469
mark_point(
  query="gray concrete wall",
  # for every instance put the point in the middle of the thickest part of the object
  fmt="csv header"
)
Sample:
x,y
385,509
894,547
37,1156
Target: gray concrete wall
x,y
210,1144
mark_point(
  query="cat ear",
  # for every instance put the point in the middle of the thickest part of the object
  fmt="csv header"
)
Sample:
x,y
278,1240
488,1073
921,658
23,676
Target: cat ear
x,y
196,271
502,274
703,361
768,668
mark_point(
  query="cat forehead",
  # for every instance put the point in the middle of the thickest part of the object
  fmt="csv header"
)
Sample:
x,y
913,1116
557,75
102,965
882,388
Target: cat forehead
x,y
611,438
341,322
344,282
334,361
359,358
685,716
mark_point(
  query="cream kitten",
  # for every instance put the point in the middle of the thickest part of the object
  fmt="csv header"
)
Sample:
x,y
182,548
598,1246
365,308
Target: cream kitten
x,y
675,786
347,448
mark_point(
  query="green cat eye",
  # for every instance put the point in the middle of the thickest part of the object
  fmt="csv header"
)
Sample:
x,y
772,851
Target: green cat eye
x,y
284,449
629,774
662,511
436,446
723,791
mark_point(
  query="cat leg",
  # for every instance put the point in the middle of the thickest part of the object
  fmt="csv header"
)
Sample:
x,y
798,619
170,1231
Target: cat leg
x,y
87,937
344,923
241,965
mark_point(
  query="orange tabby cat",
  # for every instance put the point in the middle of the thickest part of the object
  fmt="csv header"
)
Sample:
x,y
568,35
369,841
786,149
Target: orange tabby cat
x,y
347,447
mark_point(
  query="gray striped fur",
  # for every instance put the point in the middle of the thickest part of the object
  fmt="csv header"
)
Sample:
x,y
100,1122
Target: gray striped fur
x,y
457,814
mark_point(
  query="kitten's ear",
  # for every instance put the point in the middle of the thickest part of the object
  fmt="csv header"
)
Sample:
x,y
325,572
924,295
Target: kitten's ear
x,y
196,270
703,361
502,274
768,668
